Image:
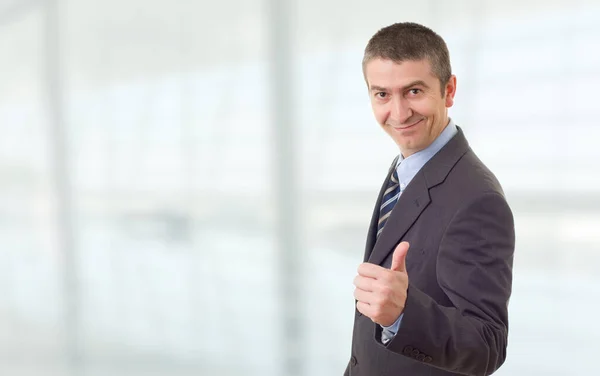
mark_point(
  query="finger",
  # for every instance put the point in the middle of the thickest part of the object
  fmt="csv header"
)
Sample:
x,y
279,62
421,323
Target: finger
x,y
370,270
363,296
364,308
399,257
364,283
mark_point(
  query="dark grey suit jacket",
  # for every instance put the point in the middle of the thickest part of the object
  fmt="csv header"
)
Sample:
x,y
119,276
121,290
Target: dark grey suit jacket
x,y
461,234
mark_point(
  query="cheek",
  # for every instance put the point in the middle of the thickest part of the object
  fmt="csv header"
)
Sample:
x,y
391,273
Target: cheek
x,y
426,108
421,107
381,114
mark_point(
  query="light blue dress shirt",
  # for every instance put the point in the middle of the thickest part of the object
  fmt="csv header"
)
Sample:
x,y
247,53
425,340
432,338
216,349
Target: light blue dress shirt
x,y
407,168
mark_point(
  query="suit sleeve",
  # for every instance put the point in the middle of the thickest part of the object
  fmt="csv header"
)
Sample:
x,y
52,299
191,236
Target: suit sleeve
x,y
474,269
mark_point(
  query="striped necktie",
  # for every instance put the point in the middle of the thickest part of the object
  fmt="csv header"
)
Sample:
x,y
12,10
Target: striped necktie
x,y
390,196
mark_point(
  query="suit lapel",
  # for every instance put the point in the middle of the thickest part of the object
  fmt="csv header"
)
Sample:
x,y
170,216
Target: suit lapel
x,y
410,205
413,200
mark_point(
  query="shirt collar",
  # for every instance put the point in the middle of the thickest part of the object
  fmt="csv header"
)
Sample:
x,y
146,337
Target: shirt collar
x,y
408,167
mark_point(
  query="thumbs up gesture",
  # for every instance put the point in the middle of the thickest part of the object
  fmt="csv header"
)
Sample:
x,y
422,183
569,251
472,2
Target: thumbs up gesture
x,y
381,293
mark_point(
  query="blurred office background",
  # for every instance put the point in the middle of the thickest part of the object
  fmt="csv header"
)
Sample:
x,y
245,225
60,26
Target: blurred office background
x,y
185,186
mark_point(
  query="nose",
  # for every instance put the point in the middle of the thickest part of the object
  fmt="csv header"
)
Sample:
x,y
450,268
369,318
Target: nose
x,y
401,111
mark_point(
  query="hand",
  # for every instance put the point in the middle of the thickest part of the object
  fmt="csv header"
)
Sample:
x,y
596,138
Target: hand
x,y
381,293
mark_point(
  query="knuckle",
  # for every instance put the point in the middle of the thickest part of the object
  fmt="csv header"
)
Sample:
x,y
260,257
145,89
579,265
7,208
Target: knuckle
x,y
385,291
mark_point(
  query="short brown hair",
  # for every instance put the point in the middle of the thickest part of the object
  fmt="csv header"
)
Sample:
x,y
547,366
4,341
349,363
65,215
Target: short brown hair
x,y
410,41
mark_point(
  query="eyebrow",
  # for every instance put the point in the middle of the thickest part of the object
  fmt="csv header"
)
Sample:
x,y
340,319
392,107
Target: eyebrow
x,y
406,87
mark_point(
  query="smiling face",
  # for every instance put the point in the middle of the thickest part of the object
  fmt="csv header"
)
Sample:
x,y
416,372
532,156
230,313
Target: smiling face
x,y
408,102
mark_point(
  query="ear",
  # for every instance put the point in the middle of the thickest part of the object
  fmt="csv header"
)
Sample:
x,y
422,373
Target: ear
x,y
450,91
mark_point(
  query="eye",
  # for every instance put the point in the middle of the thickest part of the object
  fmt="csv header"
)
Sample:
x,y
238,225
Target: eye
x,y
414,91
381,94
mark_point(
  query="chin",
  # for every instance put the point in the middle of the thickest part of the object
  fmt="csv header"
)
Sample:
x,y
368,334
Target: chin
x,y
411,147
408,144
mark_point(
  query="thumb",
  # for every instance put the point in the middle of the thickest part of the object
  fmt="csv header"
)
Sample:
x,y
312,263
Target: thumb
x,y
399,257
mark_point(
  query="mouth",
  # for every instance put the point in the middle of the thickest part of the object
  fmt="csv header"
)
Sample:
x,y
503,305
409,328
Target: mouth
x,y
405,127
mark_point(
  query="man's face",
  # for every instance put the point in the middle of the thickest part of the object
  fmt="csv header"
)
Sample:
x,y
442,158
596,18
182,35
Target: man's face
x,y
407,101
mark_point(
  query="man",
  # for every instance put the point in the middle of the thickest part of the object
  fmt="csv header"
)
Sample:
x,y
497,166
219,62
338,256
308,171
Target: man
x,y
432,293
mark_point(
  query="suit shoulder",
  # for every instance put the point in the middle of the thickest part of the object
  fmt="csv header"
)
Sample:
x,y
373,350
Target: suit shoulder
x,y
468,181
473,177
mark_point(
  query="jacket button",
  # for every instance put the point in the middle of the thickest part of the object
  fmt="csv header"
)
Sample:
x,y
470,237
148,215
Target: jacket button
x,y
428,359
407,350
415,353
421,357
353,361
